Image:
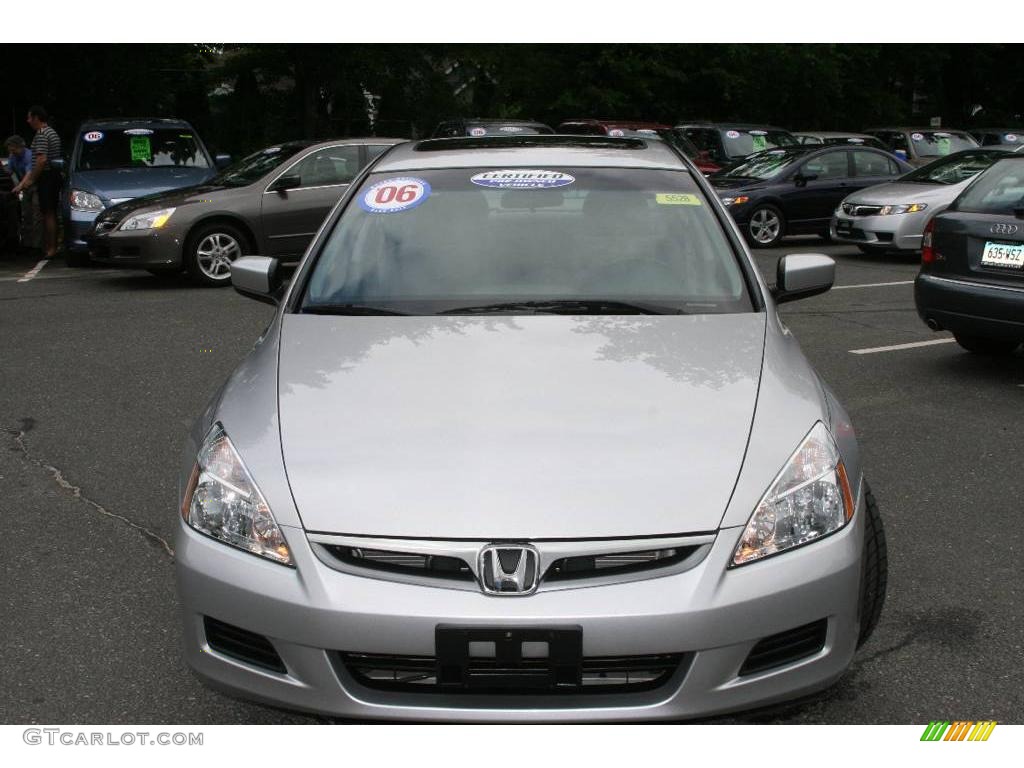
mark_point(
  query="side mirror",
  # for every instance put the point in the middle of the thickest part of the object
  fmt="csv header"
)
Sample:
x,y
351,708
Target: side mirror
x,y
286,182
800,275
58,164
222,161
257,277
801,179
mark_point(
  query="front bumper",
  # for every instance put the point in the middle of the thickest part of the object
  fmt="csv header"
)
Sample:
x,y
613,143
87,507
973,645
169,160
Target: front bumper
x,y
141,249
712,614
898,232
77,225
970,308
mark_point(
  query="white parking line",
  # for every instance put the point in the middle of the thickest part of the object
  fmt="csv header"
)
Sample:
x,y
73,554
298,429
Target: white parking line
x,y
33,272
872,285
895,347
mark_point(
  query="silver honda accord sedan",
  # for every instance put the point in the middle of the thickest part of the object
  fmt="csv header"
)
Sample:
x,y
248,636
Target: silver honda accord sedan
x,y
526,441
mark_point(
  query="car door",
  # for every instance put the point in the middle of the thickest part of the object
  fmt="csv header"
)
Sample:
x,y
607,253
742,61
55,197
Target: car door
x,y
290,218
818,186
870,168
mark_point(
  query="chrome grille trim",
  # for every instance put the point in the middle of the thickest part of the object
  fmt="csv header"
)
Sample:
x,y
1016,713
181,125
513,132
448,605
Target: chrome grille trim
x,y
409,554
859,209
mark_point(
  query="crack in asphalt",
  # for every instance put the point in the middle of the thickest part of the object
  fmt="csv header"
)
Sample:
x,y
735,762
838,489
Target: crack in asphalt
x,y
76,492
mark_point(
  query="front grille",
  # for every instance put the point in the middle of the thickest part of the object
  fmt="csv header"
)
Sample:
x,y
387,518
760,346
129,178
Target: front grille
x,y
786,647
853,209
598,674
404,562
242,645
591,566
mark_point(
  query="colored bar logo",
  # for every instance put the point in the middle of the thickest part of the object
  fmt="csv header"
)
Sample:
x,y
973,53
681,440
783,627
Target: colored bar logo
x,y
961,730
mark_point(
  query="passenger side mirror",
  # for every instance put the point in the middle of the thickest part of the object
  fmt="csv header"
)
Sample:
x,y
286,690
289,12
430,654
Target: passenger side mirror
x,y
800,275
257,277
801,179
286,182
222,161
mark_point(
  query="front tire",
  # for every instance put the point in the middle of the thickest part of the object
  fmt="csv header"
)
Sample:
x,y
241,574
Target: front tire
x,y
982,345
211,250
874,575
766,227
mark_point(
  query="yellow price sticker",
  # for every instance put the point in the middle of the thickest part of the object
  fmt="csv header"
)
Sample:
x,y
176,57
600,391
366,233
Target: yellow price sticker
x,y
677,198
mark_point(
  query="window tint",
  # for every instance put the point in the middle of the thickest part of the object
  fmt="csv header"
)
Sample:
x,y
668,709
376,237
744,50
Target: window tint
x,y
831,165
999,190
873,164
326,167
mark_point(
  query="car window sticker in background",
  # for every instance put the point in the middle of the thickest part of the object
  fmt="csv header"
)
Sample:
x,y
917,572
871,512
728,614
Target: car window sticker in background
x,y
759,140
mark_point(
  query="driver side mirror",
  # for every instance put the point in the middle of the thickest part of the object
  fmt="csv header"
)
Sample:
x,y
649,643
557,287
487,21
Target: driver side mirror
x,y
222,161
800,275
286,182
258,277
801,178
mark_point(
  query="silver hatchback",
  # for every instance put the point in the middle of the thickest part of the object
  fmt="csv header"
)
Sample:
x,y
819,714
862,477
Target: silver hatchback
x,y
526,440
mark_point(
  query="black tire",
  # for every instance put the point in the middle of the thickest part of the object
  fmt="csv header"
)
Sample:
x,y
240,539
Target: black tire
x,y
199,266
754,232
981,345
77,259
874,575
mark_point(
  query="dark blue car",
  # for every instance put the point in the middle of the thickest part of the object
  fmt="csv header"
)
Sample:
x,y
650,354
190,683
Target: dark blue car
x,y
118,159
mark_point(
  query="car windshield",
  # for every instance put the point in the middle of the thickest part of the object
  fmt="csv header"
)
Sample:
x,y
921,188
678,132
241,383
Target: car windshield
x,y
999,190
109,148
940,143
953,170
524,241
740,142
256,166
763,165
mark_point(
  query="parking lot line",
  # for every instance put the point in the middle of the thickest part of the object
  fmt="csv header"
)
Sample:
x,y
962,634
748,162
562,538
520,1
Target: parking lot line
x,y
896,347
33,272
872,285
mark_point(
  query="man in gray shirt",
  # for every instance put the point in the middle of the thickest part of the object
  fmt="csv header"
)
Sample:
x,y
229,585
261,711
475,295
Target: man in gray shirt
x,y
43,177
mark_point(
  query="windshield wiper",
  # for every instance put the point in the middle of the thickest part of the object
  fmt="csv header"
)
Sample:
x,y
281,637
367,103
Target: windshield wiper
x,y
347,309
570,307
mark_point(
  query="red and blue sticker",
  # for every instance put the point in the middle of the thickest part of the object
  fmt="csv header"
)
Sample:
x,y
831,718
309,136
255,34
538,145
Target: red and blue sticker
x,y
395,195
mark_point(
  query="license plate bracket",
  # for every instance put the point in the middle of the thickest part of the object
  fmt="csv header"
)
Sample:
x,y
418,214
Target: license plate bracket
x,y
459,666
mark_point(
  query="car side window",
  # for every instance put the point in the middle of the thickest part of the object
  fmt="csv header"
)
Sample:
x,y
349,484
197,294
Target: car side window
x,y
328,167
899,141
373,151
894,169
872,164
830,165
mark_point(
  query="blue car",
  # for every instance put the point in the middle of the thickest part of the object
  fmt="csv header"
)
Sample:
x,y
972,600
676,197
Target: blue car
x,y
118,159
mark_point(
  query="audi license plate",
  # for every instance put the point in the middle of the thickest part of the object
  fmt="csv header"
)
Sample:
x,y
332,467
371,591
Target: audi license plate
x,y
519,657
1003,255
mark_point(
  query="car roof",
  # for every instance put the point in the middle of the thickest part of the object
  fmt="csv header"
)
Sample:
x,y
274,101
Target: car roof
x,y
909,129
348,140
492,121
527,151
631,125
727,126
833,134
117,122
996,130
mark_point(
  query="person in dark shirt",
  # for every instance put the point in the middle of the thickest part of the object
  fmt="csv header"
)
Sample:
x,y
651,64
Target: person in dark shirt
x,y
44,177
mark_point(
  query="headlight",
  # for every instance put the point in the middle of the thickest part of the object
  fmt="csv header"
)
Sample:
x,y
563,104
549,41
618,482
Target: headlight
x,y
909,208
735,200
810,498
85,201
222,501
148,220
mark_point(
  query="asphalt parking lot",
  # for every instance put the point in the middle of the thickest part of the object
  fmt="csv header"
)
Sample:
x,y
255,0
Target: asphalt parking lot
x,y
101,373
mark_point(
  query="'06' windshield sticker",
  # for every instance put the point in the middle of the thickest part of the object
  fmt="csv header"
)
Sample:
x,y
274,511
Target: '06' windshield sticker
x,y
92,136
515,178
395,195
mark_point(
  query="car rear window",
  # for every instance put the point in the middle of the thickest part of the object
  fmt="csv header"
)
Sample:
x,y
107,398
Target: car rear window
x,y
422,242
110,148
940,143
999,190
953,170
740,142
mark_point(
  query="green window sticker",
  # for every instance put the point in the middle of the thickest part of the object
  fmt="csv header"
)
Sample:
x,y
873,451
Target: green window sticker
x,y
760,142
141,149
943,145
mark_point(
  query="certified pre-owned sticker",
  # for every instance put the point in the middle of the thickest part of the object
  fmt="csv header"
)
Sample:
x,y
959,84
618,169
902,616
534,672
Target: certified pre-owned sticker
x,y
93,136
517,178
395,195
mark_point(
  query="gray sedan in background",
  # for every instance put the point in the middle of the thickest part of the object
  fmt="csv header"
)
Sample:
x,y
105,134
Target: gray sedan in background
x,y
271,203
527,440
892,216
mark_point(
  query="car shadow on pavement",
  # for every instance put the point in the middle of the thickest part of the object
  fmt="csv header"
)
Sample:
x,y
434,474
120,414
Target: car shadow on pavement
x,y
133,281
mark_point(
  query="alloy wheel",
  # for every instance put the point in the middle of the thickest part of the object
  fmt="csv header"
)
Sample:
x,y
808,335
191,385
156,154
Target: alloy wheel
x,y
765,226
214,255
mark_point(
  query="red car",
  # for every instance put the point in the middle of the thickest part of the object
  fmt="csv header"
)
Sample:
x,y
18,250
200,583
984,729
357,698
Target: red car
x,y
591,127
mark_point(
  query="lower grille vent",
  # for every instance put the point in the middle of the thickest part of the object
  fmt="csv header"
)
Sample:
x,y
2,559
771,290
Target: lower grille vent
x,y
786,647
242,645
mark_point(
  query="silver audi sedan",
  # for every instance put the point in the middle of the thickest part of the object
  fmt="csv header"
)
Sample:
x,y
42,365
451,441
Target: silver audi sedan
x,y
526,441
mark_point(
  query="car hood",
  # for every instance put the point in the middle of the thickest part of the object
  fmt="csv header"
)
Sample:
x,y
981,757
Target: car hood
x,y
510,427
128,183
906,192
726,184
